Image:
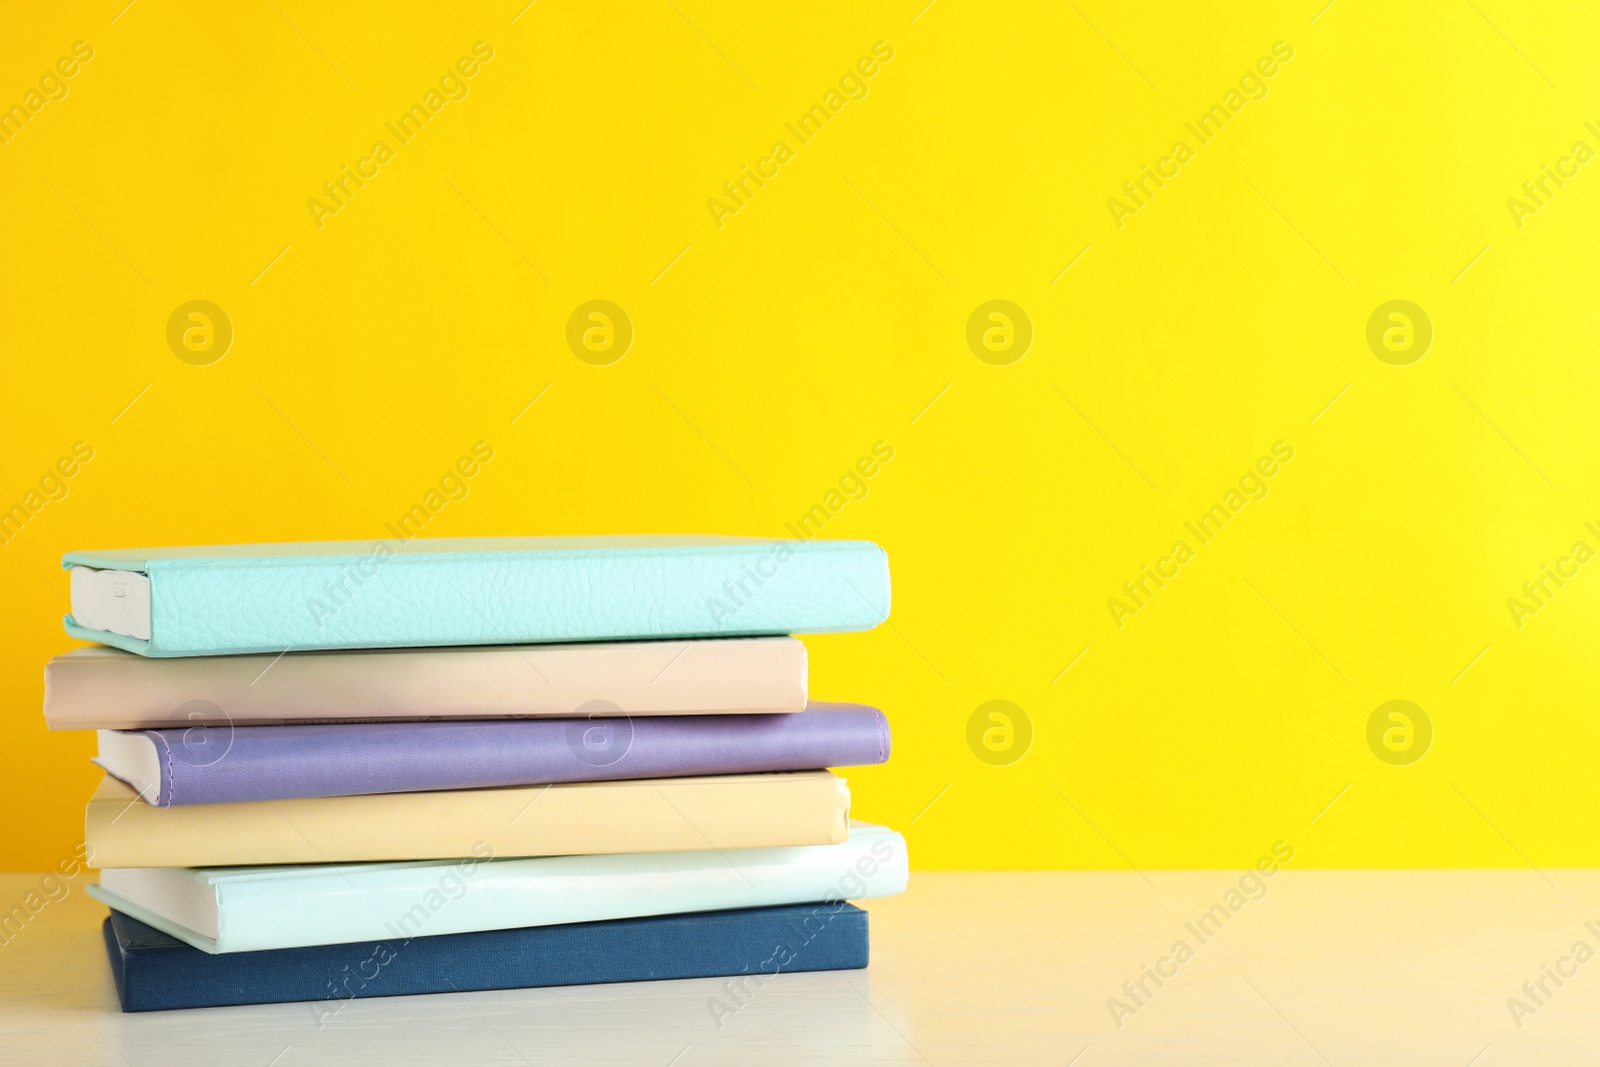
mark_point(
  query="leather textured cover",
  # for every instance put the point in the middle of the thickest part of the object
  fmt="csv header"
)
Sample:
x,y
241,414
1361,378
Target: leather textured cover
x,y
232,599
281,762
154,972
109,689
571,819
324,904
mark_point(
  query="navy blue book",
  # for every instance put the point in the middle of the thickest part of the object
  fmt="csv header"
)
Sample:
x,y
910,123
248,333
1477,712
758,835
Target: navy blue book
x,y
154,972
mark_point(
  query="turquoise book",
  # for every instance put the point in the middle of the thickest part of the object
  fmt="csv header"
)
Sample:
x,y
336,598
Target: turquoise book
x,y
250,909
431,592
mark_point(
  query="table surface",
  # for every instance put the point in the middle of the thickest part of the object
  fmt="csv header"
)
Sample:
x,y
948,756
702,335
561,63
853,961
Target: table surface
x,y
1311,967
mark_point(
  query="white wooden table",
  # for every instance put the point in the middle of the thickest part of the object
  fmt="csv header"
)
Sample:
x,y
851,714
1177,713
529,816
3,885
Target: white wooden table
x,y
1328,967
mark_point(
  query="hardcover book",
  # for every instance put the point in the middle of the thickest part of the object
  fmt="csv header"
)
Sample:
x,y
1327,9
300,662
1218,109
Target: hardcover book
x,y
247,909
106,688
231,599
570,819
154,972
245,763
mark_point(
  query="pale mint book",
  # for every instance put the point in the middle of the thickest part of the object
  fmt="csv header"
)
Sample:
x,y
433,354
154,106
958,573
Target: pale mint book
x,y
429,592
244,909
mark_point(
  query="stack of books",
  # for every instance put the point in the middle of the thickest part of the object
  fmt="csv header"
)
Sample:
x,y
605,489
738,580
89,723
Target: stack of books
x,y
347,770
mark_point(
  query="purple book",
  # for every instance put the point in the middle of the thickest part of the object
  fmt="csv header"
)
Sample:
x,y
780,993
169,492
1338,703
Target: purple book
x,y
217,765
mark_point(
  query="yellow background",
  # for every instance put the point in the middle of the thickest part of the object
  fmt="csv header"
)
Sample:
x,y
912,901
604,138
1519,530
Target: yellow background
x,y
824,317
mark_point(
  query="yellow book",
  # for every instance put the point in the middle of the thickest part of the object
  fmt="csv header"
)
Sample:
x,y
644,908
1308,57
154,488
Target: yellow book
x,y
580,818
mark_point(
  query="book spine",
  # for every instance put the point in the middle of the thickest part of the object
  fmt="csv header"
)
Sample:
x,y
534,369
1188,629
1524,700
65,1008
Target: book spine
x,y
470,895
654,815
741,675
223,766
390,598
754,945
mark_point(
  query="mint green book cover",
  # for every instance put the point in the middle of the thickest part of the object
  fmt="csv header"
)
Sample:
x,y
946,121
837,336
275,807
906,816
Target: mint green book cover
x,y
259,908
231,599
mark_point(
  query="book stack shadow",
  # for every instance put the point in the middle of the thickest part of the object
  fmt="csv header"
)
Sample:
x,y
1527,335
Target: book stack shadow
x,y
346,770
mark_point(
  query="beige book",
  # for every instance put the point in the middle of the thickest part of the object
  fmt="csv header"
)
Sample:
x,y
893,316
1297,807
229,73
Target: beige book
x,y
581,818
106,688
